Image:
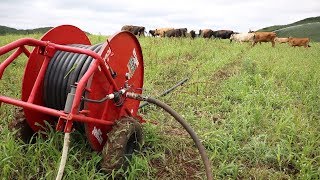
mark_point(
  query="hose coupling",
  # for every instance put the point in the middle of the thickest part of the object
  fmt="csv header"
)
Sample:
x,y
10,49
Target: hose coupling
x,y
136,96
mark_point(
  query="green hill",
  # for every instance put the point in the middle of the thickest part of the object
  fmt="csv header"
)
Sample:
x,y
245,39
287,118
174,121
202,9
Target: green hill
x,y
304,21
271,28
308,27
310,30
8,30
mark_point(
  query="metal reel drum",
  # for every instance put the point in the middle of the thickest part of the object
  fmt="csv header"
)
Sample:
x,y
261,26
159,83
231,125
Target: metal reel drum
x,y
64,34
122,52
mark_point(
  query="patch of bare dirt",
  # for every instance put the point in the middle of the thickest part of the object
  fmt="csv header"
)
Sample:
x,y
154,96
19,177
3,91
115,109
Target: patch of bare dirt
x,y
178,165
176,131
20,125
227,71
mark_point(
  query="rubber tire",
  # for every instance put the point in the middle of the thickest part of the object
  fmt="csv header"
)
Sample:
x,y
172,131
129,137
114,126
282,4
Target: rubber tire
x,y
124,138
20,126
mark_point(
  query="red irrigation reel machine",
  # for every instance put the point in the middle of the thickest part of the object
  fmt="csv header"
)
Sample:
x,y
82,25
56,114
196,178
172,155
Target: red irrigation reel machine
x,y
69,83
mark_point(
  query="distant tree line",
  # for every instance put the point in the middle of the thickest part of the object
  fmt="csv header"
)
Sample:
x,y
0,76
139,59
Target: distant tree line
x,y
8,30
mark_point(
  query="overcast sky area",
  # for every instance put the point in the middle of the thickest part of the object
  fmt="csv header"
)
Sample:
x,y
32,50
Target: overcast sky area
x,y
107,17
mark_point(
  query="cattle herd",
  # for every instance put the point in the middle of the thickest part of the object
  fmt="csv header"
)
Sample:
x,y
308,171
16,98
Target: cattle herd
x,y
251,36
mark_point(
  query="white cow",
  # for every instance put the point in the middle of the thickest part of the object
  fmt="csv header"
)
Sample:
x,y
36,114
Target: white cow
x,y
242,37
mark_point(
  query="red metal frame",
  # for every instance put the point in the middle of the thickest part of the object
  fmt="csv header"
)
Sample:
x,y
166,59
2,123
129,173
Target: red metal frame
x,y
115,53
81,85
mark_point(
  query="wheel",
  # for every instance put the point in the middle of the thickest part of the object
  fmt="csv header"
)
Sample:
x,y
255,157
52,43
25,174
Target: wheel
x,y
20,125
123,140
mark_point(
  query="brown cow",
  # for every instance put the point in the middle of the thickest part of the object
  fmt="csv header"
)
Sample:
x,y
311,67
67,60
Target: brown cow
x,y
136,30
299,42
281,40
206,33
183,31
161,31
173,33
264,37
180,32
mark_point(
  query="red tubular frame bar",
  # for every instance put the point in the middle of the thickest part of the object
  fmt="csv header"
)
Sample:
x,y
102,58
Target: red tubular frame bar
x,y
49,50
53,112
39,79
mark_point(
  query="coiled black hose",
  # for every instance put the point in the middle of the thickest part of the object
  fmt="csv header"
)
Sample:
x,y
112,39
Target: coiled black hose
x,y
64,70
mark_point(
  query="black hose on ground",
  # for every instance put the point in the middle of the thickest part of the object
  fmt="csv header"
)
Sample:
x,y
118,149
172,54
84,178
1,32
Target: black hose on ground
x,y
185,125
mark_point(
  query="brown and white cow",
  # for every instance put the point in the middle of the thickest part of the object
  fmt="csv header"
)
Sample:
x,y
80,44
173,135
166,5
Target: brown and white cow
x,y
299,42
206,33
264,37
281,40
161,31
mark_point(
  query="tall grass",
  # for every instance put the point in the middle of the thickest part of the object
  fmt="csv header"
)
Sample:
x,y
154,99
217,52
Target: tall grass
x,y
255,109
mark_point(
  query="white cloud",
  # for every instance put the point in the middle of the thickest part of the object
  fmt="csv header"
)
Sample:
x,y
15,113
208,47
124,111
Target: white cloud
x,y
107,17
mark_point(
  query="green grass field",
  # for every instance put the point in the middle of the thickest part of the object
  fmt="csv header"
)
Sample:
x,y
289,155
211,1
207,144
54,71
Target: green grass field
x,y
256,111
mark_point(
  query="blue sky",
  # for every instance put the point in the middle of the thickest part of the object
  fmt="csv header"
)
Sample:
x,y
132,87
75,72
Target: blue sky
x,y
107,17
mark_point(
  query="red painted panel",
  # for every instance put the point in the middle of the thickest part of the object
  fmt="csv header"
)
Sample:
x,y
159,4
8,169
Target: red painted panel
x,y
125,48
